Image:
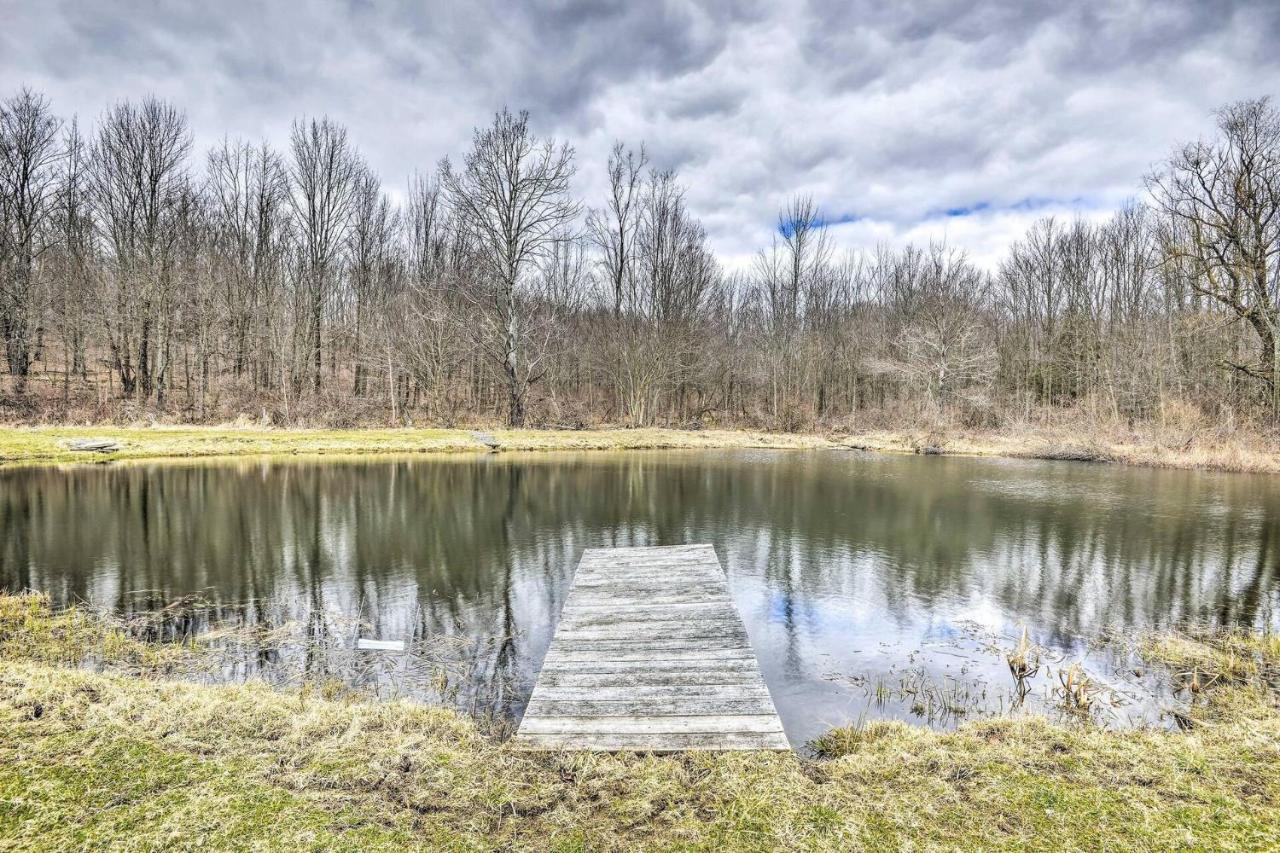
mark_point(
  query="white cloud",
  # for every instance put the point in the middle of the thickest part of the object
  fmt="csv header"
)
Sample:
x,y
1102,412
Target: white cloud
x,y
886,114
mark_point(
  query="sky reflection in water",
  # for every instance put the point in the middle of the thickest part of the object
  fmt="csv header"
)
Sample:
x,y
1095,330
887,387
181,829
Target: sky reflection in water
x,y
872,586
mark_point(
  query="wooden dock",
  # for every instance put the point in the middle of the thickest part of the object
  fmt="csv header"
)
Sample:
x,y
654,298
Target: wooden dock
x,y
650,655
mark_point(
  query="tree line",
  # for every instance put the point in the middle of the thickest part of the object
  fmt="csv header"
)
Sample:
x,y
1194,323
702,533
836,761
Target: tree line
x,y
138,275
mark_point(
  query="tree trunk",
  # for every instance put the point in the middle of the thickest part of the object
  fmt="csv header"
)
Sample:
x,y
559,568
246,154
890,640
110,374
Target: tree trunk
x,y
511,365
1275,368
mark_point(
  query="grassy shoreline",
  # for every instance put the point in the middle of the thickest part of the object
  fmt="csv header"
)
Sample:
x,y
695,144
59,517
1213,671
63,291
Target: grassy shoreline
x,y
129,757
49,445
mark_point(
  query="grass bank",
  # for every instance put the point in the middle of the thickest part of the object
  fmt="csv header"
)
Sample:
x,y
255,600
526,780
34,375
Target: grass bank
x,y
52,445
20,445
127,758
1242,452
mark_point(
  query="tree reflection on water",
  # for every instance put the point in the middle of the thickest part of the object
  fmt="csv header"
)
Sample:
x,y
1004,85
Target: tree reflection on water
x,y
850,570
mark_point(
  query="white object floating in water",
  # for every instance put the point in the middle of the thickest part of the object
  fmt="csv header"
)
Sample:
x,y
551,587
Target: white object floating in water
x,y
366,645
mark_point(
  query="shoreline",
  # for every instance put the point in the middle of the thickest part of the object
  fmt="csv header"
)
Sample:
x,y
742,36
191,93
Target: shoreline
x,y
135,754
22,446
25,446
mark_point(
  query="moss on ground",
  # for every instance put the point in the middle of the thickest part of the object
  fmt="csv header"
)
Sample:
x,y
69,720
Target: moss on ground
x,y
126,758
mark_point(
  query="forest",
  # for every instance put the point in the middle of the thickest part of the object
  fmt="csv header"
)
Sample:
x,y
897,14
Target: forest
x,y
143,279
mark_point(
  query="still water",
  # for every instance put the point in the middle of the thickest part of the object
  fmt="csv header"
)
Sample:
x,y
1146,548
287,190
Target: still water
x,y
871,586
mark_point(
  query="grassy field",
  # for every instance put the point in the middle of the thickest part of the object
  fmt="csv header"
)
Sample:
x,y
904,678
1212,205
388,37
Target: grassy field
x,y
20,445
1243,452
130,758
50,445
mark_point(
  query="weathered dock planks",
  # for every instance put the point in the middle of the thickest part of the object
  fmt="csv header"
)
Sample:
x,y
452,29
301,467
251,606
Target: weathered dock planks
x,y
650,656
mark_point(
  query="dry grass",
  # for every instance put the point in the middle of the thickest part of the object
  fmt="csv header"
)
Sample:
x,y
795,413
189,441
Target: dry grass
x,y
1182,447
50,445
105,760
1204,658
1239,452
30,631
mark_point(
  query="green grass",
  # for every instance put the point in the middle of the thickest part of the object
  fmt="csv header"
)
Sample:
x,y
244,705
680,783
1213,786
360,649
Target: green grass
x,y
126,790
128,758
49,445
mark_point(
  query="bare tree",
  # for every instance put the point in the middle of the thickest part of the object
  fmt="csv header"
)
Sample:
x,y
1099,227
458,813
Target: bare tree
x,y
675,277
786,273
78,260
425,325
323,174
1223,202
807,253
943,344
614,227
194,311
29,154
139,181
560,285
512,196
247,186
232,285
373,266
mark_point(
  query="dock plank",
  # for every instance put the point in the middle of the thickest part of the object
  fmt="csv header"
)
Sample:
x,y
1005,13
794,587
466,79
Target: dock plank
x,y
665,742
650,656
650,707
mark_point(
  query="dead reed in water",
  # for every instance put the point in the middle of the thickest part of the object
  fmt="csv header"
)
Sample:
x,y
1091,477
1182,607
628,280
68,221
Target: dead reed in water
x,y
1077,689
1024,664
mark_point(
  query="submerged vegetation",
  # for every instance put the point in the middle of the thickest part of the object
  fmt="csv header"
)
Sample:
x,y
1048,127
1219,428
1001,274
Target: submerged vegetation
x,y
128,755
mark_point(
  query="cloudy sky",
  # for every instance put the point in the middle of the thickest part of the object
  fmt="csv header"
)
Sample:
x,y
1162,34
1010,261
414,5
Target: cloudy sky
x,y
961,121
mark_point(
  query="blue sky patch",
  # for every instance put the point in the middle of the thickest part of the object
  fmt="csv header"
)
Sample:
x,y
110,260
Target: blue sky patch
x,y
1030,204
786,228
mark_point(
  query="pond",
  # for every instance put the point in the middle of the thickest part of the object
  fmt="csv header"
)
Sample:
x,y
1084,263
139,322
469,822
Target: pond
x,y
871,586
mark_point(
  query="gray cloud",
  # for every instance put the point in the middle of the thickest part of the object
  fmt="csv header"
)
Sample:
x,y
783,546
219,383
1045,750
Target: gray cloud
x,y
891,115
